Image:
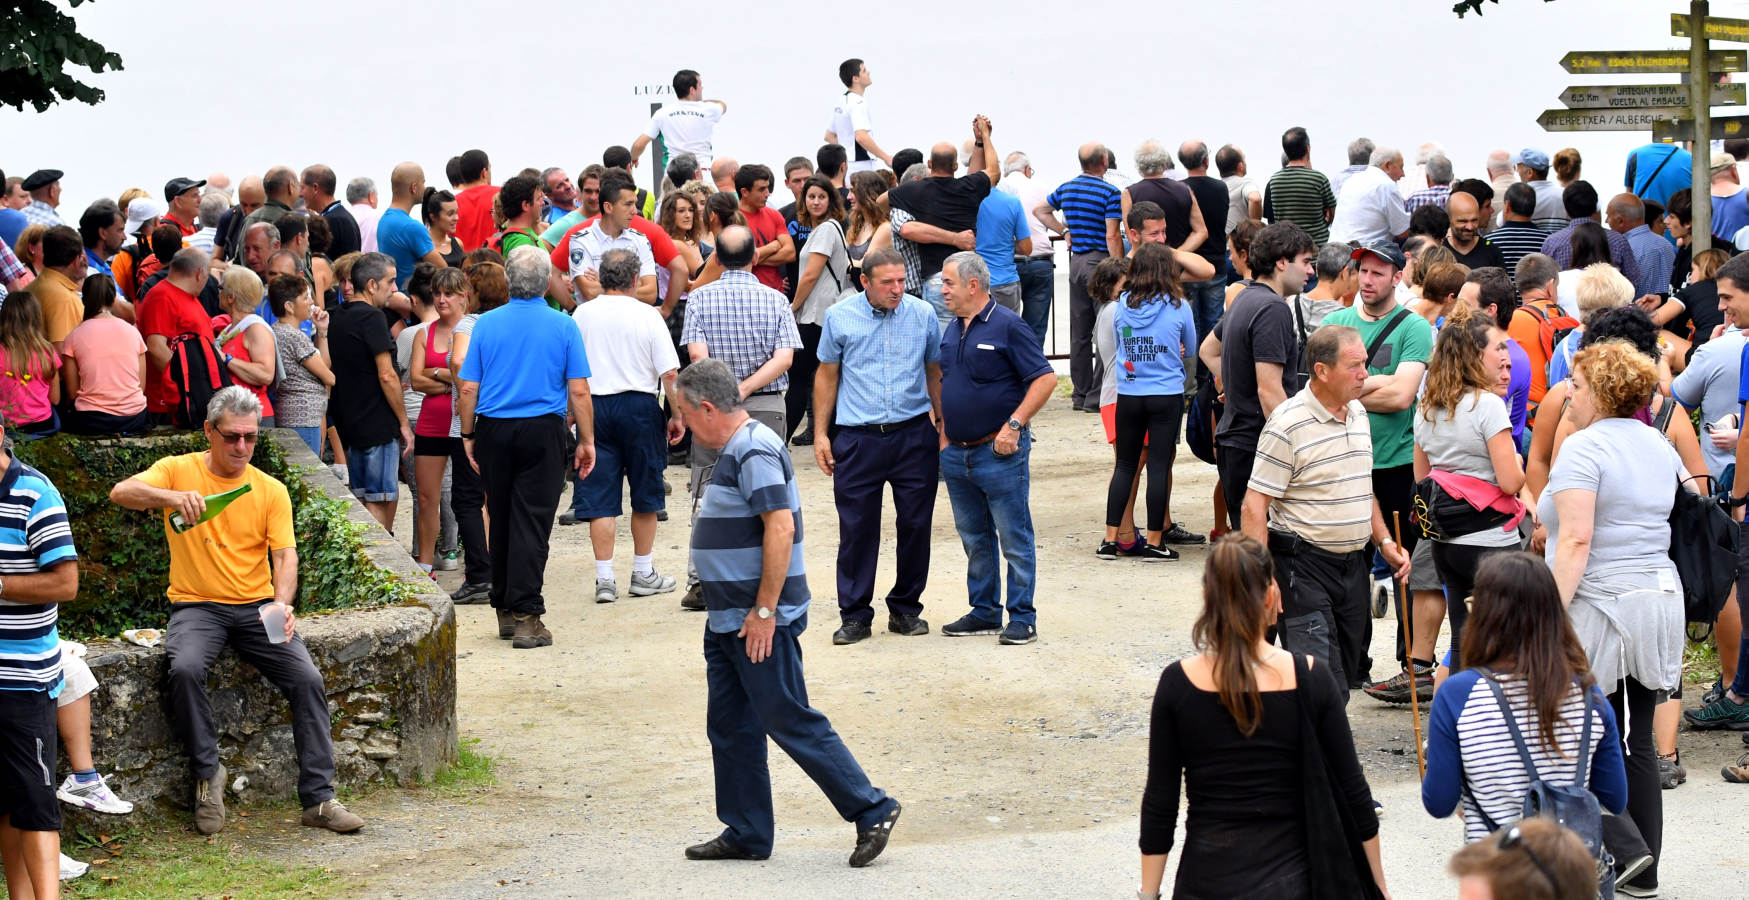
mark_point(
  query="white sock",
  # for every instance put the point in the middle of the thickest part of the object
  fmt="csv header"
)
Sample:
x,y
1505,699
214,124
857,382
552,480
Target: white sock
x,y
641,565
604,570
425,567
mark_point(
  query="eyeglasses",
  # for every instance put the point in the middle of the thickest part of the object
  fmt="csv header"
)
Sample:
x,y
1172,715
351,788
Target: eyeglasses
x,y
247,437
1514,838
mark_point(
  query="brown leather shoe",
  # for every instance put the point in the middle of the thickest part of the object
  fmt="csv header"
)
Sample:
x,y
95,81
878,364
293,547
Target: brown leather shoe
x,y
530,633
209,802
331,815
506,624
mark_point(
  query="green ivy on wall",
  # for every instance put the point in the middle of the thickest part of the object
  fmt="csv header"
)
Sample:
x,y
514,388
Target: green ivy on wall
x,y
123,561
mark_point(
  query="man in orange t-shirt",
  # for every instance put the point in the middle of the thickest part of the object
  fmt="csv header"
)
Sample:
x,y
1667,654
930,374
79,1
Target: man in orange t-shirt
x,y
1536,276
473,203
228,574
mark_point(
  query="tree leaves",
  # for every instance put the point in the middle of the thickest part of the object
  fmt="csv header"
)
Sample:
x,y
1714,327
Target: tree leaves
x,y
38,42
1464,7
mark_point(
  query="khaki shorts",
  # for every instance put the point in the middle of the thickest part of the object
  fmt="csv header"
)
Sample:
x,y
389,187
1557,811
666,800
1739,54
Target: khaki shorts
x,y
79,680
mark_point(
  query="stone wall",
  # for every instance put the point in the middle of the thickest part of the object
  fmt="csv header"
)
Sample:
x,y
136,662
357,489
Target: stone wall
x,y
389,673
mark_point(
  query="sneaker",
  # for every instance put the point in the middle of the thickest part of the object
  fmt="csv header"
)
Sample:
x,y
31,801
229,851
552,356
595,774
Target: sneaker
x,y
1378,809
506,624
1631,869
1149,553
1721,713
341,473
1381,597
661,515
1671,771
804,439
719,848
870,843
1178,534
72,868
1108,550
569,518
969,625
1018,633
909,626
1739,773
1395,690
851,633
330,814
1216,533
606,590
209,802
1713,693
1635,890
530,633
94,796
471,592
448,562
651,584
694,598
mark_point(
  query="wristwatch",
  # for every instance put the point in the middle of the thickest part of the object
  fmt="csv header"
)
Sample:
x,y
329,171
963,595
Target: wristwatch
x,y
1016,424
763,612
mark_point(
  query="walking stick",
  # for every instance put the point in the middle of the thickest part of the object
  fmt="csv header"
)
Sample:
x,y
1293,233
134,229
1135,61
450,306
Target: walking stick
x,y
1408,646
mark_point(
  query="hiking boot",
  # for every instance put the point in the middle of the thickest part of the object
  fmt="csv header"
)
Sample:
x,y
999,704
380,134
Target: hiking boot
x,y
72,868
1671,771
1149,553
969,625
651,584
209,802
530,633
1396,688
471,592
909,626
1018,633
1738,773
506,624
94,796
694,598
606,590
1721,713
330,814
851,633
1178,534
719,848
870,843
1713,693
1381,597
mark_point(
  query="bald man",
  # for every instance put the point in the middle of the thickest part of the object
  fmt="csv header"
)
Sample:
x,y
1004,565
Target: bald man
x,y
280,185
1464,239
1626,216
942,205
400,235
228,243
723,171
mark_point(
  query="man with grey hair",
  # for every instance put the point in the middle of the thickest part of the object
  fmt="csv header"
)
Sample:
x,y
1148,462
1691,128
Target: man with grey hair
x,y
366,403
1438,189
212,208
260,242
561,193
1338,282
632,362
526,366
1370,209
1185,228
230,575
756,590
361,201
1500,177
1038,270
1359,153
993,381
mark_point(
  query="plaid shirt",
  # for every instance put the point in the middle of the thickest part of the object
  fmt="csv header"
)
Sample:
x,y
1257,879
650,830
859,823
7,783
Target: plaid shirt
x,y
1436,195
908,250
743,323
883,358
10,268
40,213
1656,258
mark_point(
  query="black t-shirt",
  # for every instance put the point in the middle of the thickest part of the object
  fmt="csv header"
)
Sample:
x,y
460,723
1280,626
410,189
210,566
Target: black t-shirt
x,y
1483,254
344,228
1212,199
356,334
1258,327
947,203
1700,307
1173,198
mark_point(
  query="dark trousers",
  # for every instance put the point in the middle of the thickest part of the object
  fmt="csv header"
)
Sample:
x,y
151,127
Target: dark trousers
x,y
1038,288
1394,488
1457,564
1324,605
800,396
522,467
467,499
197,633
1083,313
908,458
1234,466
90,421
1157,419
1634,704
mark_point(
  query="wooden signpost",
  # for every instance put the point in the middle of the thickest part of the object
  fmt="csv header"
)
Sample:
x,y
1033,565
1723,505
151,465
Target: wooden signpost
x,y
1681,128
1645,96
1648,62
1606,119
1717,28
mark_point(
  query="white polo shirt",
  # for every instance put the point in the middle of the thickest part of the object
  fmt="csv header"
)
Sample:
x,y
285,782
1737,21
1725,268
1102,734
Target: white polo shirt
x,y
628,345
850,115
686,126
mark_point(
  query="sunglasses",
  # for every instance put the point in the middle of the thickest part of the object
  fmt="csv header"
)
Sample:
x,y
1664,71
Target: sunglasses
x,y
247,437
1513,838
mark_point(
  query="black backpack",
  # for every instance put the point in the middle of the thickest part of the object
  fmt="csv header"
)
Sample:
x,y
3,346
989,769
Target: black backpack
x,y
1703,547
1572,806
197,373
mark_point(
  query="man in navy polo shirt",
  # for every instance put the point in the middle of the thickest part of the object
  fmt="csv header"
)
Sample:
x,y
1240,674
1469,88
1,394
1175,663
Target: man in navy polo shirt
x,y
994,379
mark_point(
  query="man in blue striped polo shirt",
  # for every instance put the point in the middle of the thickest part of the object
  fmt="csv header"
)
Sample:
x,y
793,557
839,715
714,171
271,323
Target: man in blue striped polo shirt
x,y
748,549
1093,209
38,569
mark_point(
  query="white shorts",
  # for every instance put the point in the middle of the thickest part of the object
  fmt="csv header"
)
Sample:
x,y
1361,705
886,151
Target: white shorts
x,y
79,680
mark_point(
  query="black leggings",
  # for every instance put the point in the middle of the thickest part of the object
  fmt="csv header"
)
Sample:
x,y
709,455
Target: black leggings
x,y
1156,418
1457,564
1634,704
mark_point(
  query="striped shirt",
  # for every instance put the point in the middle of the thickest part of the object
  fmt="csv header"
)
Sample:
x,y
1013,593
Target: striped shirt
x,y
1301,195
1515,241
1317,471
742,322
1086,202
1435,195
753,476
34,536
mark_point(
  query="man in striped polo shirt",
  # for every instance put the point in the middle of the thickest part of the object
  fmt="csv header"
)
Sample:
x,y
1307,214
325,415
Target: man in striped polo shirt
x,y
1093,209
1311,499
38,569
748,548
1297,192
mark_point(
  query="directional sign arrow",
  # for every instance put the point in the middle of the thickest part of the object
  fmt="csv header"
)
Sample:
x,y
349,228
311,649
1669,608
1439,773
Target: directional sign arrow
x,y
1645,96
1605,119
1601,62
1717,28
1724,128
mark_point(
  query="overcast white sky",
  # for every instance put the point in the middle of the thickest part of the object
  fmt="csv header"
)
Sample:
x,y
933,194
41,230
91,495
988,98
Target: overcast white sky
x,y
361,85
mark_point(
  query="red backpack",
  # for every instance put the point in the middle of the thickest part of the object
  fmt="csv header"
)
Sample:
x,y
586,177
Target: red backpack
x,y
1553,326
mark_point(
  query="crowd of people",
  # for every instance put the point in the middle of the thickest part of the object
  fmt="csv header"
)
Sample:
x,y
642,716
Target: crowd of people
x,y
1402,382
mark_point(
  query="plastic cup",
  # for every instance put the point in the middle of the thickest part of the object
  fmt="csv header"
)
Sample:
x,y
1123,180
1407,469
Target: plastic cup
x,y
273,619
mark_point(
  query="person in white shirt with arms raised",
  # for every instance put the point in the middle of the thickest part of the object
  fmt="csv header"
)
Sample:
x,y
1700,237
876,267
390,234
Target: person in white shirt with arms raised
x,y
850,125
686,125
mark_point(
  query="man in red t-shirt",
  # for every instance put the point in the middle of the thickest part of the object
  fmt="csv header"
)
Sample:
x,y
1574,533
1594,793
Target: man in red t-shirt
x,y
661,248
171,308
775,246
474,203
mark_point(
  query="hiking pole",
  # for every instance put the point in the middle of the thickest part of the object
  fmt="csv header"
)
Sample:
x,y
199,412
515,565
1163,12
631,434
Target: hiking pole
x,y
1407,612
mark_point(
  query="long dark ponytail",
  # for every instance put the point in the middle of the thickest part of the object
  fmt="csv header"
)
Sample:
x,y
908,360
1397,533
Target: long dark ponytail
x,y
1235,597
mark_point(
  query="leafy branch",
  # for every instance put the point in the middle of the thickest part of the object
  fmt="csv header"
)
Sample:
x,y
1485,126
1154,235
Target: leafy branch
x,y
1465,7
37,44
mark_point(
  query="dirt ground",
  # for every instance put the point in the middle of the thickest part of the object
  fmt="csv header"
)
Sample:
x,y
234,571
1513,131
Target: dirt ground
x,y
604,769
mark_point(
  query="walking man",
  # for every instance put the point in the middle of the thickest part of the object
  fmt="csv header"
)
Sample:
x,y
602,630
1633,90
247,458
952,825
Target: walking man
x,y
994,379
757,592
876,394
525,365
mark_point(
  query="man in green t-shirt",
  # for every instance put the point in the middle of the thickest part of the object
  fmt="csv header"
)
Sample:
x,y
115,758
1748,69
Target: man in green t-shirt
x,y
1398,344
521,200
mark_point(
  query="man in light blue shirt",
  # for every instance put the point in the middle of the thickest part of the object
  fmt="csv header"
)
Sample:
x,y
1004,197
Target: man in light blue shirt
x,y
1003,236
877,393
1656,257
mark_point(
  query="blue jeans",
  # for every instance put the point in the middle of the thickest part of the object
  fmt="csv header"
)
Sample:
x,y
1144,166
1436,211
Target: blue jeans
x,y
933,296
1038,285
312,438
1207,303
991,512
375,472
750,701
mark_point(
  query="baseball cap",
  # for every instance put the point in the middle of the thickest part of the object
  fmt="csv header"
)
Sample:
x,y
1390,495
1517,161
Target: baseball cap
x,y
1385,250
41,178
1722,162
141,211
1532,157
177,185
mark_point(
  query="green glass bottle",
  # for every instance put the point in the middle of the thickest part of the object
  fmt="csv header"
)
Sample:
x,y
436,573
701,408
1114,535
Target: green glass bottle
x,y
215,504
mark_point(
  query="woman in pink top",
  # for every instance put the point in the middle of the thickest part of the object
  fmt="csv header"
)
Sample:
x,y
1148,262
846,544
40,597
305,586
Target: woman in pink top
x,y
428,370
29,370
104,367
